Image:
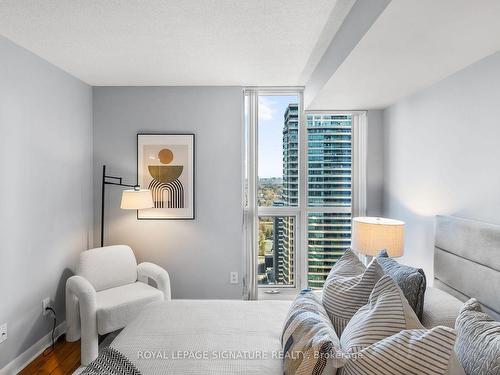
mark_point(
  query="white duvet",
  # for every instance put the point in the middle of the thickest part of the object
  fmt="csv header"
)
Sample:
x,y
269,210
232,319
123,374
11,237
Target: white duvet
x,y
206,337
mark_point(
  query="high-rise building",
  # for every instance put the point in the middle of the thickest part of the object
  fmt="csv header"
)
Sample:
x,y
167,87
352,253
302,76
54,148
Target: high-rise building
x,y
329,185
291,155
290,188
278,245
329,162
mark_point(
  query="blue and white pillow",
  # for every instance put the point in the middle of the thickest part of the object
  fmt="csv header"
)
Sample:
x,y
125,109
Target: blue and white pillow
x,y
385,337
310,344
348,287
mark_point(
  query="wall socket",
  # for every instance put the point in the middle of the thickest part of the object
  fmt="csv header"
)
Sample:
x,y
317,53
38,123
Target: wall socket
x,y
3,332
233,277
46,302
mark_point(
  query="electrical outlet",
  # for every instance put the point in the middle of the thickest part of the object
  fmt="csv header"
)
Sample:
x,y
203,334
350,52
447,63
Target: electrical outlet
x,y
46,302
3,332
233,277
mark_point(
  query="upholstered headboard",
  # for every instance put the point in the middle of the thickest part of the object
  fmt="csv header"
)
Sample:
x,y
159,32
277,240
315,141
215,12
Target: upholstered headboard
x,y
467,261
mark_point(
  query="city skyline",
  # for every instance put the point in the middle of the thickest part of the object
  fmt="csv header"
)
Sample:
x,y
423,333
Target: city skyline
x,y
329,185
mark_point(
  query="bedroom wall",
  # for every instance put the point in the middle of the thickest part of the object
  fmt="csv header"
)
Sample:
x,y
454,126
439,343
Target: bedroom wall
x,y
375,163
45,194
199,254
442,156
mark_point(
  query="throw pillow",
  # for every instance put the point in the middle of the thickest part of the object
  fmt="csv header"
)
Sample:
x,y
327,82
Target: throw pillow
x,y
347,288
381,317
310,344
411,281
386,337
407,352
478,340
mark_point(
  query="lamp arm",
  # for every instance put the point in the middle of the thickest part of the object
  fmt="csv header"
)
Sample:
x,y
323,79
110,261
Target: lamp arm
x,y
103,194
119,184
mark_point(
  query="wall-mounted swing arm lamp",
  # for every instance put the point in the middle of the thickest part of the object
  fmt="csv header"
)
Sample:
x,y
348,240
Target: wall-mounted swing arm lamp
x,y
134,199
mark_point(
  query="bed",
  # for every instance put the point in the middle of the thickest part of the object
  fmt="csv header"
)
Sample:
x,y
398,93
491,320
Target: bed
x,y
197,336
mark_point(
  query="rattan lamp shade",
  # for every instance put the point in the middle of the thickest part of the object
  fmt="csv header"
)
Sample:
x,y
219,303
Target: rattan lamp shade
x,y
370,235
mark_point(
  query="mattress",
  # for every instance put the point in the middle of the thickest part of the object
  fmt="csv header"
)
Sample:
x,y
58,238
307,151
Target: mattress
x,y
206,337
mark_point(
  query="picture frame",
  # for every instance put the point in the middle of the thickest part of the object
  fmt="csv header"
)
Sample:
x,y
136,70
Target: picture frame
x,y
166,166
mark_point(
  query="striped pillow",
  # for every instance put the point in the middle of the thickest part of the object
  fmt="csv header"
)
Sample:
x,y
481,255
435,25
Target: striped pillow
x,y
382,317
310,344
385,337
348,287
478,342
417,351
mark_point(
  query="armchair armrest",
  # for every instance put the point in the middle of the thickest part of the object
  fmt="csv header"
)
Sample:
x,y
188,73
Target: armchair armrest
x,y
81,319
158,274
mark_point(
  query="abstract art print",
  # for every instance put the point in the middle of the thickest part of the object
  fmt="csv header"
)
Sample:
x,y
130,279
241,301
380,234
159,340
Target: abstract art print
x,y
165,165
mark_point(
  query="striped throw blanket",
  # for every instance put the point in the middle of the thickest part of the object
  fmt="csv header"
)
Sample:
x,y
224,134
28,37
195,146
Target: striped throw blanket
x,y
111,362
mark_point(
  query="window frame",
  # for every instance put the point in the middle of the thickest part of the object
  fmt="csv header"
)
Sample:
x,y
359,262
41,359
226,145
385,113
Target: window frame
x,y
301,212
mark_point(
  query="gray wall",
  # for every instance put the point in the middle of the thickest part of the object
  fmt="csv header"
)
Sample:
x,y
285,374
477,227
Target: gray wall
x,y
442,156
45,195
375,163
199,254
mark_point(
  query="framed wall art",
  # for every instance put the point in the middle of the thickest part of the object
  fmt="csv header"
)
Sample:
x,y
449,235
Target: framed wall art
x,y
165,165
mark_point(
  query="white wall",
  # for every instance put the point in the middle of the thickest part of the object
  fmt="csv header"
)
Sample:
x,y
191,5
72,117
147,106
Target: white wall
x,y
375,163
45,195
442,156
199,254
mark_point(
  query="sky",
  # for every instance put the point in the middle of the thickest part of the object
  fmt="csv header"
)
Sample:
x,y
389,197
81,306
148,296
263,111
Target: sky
x,y
271,111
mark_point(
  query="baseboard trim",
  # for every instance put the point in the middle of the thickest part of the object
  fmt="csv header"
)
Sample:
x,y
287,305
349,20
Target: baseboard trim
x,y
31,353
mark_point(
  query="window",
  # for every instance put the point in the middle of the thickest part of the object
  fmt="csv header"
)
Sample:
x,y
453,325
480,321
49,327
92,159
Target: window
x,y
300,191
329,193
276,251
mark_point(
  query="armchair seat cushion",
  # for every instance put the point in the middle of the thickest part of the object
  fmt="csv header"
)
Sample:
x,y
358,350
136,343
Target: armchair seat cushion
x,y
116,307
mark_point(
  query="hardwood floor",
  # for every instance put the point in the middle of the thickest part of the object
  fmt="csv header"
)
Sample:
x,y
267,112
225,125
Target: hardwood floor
x,y
65,359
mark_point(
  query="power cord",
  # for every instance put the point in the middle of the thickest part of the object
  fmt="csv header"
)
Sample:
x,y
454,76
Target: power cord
x,y
51,348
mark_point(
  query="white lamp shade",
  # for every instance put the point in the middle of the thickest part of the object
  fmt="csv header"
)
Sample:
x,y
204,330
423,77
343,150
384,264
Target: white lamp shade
x,y
137,199
370,235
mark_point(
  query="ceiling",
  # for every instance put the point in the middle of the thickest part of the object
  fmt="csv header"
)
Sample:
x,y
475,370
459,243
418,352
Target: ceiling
x,y
413,44
167,42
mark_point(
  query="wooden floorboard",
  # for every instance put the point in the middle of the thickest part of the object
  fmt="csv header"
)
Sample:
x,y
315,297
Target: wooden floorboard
x,y
63,360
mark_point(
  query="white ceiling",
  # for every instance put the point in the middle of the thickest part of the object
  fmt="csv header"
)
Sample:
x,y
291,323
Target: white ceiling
x,y
412,45
167,42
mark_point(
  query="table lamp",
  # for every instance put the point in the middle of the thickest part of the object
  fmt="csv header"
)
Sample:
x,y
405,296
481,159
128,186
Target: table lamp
x,y
370,235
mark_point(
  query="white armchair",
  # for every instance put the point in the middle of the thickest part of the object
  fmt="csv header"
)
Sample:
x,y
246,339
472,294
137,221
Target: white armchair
x,y
107,292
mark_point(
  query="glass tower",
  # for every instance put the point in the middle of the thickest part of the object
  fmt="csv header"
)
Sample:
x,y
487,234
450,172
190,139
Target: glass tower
x,y
329,162
290,187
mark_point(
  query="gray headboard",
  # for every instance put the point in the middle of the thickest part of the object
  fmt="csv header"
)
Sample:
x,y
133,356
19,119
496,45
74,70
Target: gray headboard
x,y
467,261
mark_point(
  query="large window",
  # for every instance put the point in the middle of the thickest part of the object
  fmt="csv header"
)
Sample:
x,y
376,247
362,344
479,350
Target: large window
x,y
298,190
329,193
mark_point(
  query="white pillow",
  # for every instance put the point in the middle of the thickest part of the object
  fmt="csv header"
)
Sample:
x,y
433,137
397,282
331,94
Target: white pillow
x,y
416,351
385,337
381,317
348,287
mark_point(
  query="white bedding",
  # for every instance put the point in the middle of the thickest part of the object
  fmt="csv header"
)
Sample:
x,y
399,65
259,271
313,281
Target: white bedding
x,y
167,337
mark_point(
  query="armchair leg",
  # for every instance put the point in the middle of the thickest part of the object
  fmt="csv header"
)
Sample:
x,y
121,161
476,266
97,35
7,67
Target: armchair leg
x,y
90,338
72,318
89,346
81,317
